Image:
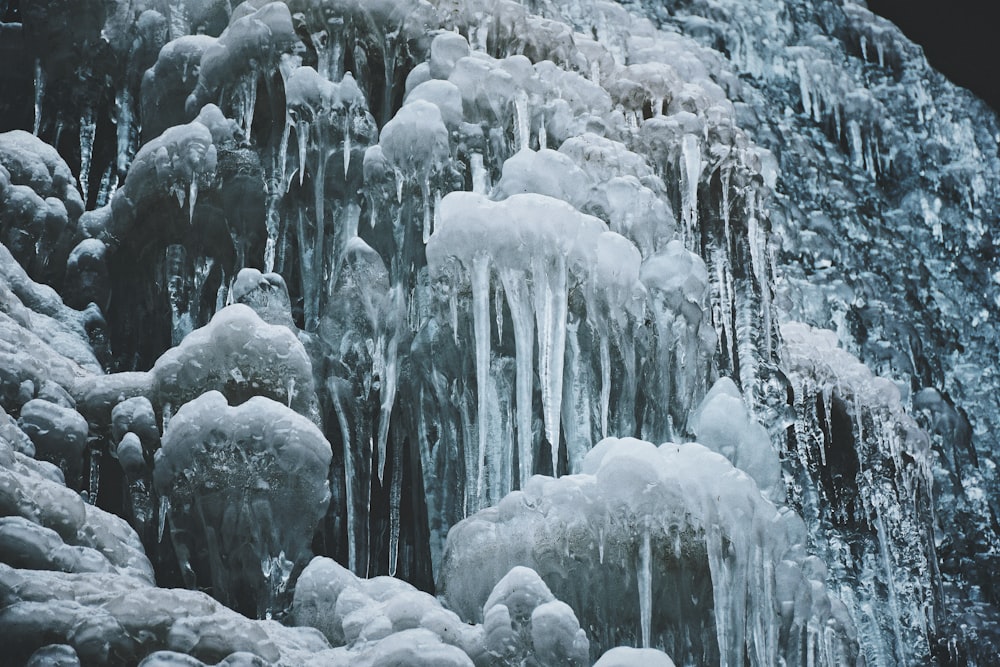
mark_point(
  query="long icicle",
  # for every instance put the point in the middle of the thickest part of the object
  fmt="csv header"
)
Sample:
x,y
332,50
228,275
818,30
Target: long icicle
x,y
481,326
519,302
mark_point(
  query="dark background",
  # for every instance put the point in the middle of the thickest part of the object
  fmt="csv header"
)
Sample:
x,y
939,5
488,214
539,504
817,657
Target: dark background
x,y
959,37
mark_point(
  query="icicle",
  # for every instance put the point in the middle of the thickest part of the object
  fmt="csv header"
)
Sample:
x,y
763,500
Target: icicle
x,y
854,138
388,399
124,107
94,478
644,575
543,139
88,127
480,183
656,104
345,434
481,326
192,197
302,134
550,302
690,172
519,301
395,493
347,143
39,94
523,119
162,518
283,150
804,88
249,95
605,383
498,308
425,192
178,20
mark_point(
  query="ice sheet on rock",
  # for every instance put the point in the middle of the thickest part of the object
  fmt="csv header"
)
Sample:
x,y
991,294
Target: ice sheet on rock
x,y
247,486
524,624
415,144
444,95
636,513
242,356
853,424
29,546
545,172
80,536
87,279
446,50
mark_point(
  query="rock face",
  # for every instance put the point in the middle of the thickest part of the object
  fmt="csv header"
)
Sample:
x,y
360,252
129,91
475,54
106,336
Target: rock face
x,y
639,332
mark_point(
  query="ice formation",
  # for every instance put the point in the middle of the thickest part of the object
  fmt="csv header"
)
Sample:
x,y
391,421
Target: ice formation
x,y
326,308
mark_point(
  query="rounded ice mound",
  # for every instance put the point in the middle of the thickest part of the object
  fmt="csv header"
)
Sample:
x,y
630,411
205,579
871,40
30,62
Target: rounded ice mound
x,y
415,141
523,620
59,435
240,355
655,532
252,39
626,656
352,612
266,293
245,488
723,424
545,172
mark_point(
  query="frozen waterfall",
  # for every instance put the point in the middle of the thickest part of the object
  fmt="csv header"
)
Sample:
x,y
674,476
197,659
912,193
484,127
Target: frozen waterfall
x,y
493,333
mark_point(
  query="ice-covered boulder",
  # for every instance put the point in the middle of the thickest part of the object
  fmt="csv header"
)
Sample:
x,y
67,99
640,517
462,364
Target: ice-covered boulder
x,y
244,488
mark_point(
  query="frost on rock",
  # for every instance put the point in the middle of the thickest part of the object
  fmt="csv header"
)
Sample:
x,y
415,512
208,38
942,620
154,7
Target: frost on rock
x,y
245,488
851,425
708,564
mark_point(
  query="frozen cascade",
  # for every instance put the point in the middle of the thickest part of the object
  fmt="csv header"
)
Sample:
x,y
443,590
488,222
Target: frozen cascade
x,y
764,228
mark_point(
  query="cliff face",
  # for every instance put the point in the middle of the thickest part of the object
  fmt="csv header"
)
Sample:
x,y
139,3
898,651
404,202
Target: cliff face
x,y
419,288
